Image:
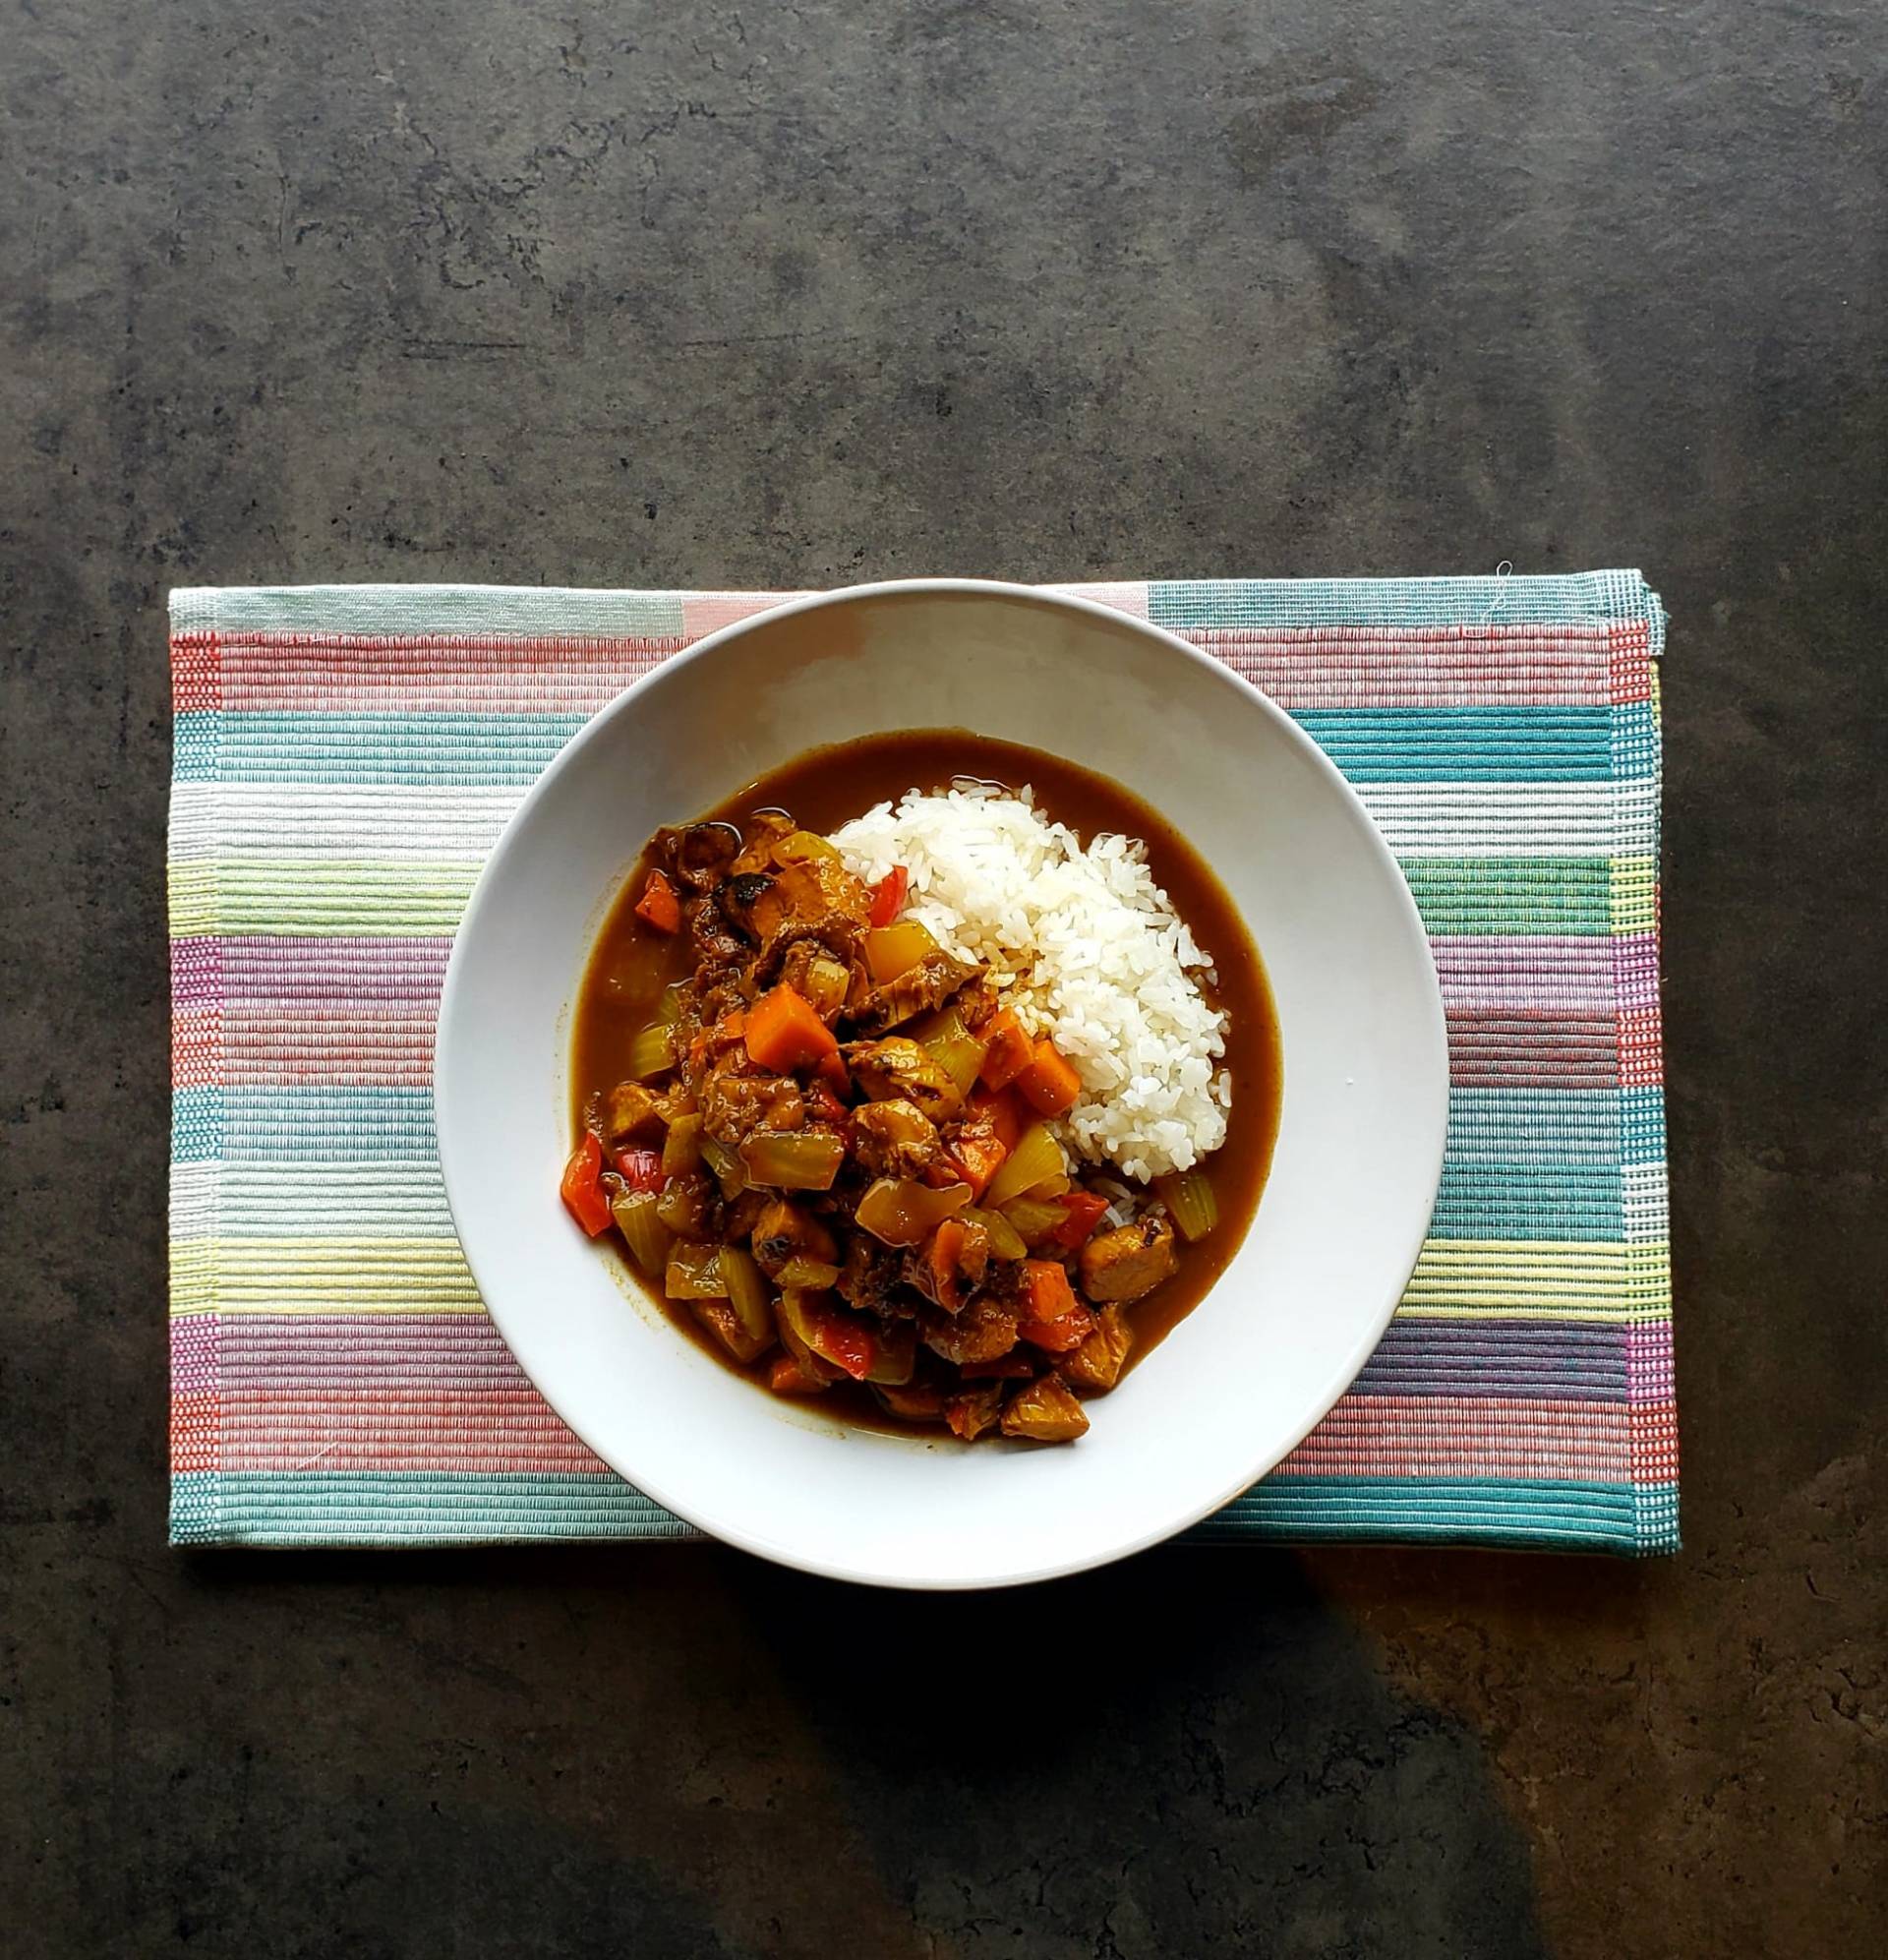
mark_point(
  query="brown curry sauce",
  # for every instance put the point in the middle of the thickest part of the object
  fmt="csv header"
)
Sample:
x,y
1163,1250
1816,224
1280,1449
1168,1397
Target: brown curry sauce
x,y
632,964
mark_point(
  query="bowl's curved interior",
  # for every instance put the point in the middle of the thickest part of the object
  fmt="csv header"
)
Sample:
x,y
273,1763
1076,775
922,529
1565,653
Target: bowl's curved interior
x,y
1360,1133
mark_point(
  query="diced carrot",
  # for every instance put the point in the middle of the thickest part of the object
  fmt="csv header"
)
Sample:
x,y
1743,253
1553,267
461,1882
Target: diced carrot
x,y
641,1169
1004,1114
1086,1209
788,1378
659,906
783,1033
581,1188
888,896
1007,1051
943,1253
1059,1335
1046,1291
979,1158
1048,1084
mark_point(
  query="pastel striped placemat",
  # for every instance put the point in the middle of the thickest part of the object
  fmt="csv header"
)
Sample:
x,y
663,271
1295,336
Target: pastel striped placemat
x,y
344,756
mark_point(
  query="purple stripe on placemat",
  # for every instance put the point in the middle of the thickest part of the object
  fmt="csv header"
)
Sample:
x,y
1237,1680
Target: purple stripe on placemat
x,y
1548,1360
398,970
295,1352
1501,972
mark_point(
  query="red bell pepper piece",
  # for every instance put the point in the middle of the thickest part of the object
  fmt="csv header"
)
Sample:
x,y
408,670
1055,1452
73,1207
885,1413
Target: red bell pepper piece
x,y
1086,1209
583,1187
641,1169
888,896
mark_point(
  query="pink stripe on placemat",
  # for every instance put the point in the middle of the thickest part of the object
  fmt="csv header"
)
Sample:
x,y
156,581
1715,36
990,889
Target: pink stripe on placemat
x,y
1415,1436
502,1430
1438,666
422,673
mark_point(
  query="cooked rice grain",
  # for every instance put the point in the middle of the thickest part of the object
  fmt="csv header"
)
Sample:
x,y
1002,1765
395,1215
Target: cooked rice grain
x,y
1091,950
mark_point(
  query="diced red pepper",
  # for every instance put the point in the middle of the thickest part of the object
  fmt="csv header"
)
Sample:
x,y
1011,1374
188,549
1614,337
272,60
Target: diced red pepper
x,y
845,1343
582,1188
641,1169
659,906
1086,1209
888,896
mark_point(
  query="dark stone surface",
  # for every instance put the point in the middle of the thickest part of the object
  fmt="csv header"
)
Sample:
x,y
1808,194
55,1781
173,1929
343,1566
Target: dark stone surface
x,y
666,295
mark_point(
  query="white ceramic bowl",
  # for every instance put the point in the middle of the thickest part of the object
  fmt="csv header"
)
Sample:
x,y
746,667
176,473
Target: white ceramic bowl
x,y
1360,1139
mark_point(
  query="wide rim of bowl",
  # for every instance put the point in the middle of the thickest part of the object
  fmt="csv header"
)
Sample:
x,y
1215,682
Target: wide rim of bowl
x,y
517,1336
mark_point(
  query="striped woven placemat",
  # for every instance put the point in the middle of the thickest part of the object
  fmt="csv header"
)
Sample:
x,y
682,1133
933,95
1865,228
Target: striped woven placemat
x,y
344,756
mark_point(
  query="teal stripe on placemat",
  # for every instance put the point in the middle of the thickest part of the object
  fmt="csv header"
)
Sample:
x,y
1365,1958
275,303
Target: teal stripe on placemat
x,y
1468,1510
379,610
1533,744
393,1508
408,1507
1528,1200
1552,599
263,1123
436,751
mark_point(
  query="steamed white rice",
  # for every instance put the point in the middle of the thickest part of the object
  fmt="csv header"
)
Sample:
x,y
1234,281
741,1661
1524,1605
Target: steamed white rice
x,y
1091,954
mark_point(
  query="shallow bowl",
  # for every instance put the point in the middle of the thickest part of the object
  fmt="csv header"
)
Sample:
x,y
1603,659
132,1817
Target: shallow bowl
x,y
1295,1314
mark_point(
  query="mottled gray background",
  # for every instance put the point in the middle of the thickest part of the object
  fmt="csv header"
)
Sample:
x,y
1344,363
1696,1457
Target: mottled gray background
x,y
667,295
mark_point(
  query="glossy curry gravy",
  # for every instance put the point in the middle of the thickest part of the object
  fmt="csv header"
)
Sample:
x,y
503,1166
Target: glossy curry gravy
x,y
632,964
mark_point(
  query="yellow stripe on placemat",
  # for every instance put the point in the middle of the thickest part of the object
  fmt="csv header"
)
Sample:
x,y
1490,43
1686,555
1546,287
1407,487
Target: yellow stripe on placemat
x,y
1506,1279
314,1276
312,898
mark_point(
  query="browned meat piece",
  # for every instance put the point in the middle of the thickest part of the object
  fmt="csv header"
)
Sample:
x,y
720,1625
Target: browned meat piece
x,y
738,898
950,1265
1097,1364
920,1402
917,990
740,1216
979,1000
735,1104
715,948
689,1203
699,855
982,1332
974,1411
765,829
783,1231
895,1138
1128,1261
870,1277
813,898
1045,1412
898,1069
814,972
633,1114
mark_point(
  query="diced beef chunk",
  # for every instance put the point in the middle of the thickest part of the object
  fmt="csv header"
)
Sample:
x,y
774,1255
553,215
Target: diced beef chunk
x,y
1045,1412
1133,1260
895,1138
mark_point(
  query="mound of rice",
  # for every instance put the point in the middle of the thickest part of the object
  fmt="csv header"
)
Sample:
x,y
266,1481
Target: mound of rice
x,y
1090,951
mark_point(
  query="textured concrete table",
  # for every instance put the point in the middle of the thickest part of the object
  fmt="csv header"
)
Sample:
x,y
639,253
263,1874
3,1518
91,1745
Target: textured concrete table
x,y
771,295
